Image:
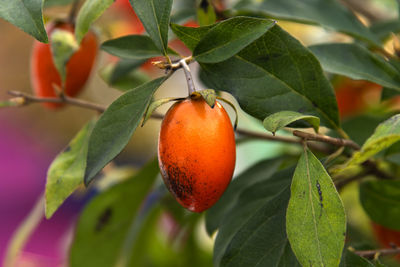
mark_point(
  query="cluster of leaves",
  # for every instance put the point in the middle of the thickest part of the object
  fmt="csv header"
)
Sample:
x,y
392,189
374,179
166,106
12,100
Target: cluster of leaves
x,y
272,214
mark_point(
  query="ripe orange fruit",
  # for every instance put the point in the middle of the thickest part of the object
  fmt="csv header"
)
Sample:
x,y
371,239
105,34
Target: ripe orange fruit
x,y
196,153
355,96
386,237
44,73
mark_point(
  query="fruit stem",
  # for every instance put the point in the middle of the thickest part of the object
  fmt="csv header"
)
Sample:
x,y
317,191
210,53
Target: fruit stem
x,y
72,12
188,74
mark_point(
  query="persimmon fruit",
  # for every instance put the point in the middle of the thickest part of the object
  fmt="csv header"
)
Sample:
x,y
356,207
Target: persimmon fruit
x,y
196,153
386,237
44,73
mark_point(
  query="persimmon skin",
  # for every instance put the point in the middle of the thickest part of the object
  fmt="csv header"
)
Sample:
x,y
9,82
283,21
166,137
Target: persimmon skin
x,y
386,237
44,73
196,153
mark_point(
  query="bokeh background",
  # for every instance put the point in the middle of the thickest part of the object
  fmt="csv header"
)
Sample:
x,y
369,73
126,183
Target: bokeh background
x,y
30,137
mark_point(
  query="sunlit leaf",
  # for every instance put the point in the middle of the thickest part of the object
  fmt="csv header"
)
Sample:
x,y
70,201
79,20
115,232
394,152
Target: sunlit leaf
x,y
67,170
277,121
315,219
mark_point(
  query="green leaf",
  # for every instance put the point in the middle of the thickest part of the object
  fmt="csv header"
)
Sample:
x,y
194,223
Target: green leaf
x,y
63,46
103,225
67,170
116,126
361,127
356,62
277,121
124,67
349,259
26,15
132,47
259,172
229,37
381,201
253,232
90,11
315,219
327,13
51,3
386,134
384,29
388,93
206,13
272,74
154,15
123,82
190,36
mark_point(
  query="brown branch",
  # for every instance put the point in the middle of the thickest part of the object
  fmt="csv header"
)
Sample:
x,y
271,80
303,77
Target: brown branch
x,y
25,99
345,181
327,139
73,11
172,66
377,252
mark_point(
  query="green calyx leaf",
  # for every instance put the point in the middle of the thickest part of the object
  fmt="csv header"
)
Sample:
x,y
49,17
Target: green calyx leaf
x,y
278,120
63,46
207,94
67,170
315,217
234,108
156,104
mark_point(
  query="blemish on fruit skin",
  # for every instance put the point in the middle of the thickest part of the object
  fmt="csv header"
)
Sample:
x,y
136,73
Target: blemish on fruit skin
x,y
178,182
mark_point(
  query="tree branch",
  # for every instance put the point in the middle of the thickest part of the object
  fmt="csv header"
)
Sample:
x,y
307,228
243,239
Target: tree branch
x,y
327,139
377,252
174,65
25,99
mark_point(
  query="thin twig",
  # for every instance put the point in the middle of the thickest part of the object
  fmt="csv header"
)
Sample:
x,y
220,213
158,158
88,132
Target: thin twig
x,y
327,139
65,99
172,66
377,252
188,75
345,181
72,12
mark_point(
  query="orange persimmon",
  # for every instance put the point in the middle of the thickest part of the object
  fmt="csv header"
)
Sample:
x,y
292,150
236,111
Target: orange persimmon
x,y
196,153
44,73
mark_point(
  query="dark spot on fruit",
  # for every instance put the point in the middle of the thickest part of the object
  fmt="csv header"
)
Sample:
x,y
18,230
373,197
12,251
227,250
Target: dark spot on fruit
x,y
104,218
68,148
178,182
